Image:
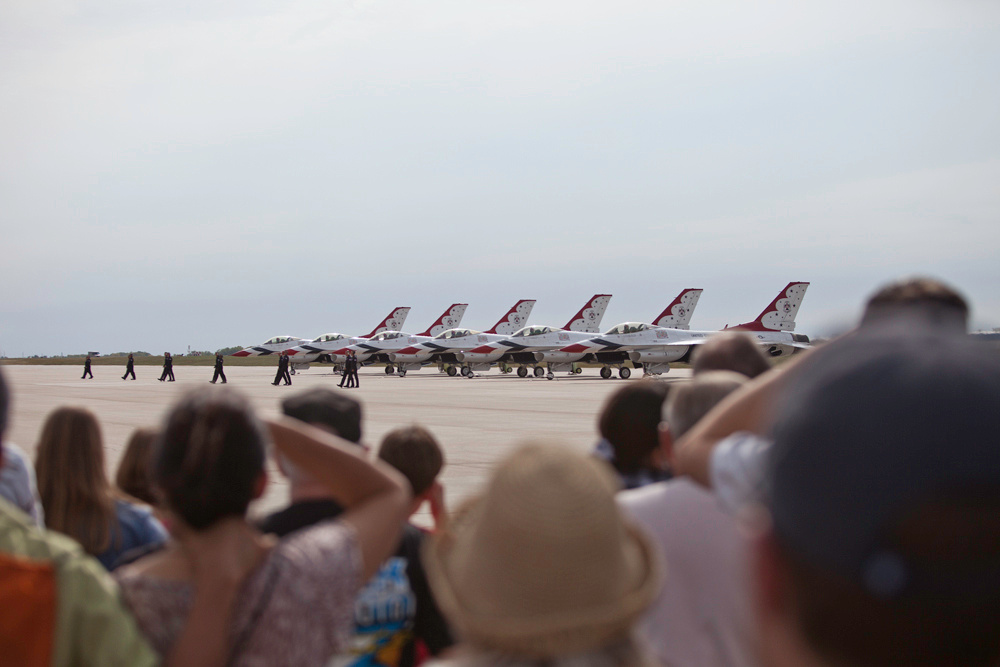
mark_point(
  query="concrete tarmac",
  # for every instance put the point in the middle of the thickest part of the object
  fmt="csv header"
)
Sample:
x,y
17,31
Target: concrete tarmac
x,y
476,420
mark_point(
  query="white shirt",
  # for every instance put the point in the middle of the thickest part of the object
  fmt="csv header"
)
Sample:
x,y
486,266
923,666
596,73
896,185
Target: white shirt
x,y
737,470
702,616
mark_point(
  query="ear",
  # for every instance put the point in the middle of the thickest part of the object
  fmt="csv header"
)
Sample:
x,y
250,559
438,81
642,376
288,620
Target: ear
x,y
260,485
666,449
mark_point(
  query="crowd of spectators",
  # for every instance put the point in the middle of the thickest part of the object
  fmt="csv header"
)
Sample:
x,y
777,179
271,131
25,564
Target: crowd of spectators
x,y
841,508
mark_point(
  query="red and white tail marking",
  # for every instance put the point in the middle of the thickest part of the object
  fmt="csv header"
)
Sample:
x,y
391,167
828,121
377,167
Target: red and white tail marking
x,y
678,314
515,319
590,316
392,322
449,319
780,315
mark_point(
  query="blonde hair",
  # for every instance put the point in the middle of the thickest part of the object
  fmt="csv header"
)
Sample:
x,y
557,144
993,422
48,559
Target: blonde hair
x,y
77,498
135,470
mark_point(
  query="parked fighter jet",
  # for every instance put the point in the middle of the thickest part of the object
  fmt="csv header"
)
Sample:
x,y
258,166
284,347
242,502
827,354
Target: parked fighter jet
x,y
270,346
323,348
442,348
653,348
374,350
520,347
677,315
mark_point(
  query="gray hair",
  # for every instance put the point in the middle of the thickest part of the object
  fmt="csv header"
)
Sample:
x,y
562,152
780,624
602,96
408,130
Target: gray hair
x,y
689,402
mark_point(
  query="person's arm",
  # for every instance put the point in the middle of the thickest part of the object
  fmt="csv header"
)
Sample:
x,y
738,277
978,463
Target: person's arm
x,y
375,496
749,408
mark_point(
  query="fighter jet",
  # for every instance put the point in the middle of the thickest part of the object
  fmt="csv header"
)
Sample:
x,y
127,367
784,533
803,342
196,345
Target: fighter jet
x,y
273,345
442,348
677,315
654,348
520,348
324,348
375,349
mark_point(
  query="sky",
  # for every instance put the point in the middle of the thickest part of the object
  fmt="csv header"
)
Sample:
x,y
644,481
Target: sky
x,y
215,173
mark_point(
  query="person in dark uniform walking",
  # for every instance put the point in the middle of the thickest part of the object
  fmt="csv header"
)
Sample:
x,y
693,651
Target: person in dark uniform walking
x,y
345,375
282,373
129,367
354,369
288,363
168,367
218,369
86,369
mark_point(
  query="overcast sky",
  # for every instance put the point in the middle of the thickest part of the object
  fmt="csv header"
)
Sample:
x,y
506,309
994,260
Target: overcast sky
x,y
216,173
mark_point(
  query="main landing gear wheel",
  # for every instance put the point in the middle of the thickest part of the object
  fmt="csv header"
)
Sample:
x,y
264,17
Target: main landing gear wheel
x,y
522,371
452,371
466,371
402,372
605,372
389,369
624,373
577,371
539,371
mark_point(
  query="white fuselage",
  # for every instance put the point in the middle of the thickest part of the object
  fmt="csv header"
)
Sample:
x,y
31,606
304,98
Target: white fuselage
x,y
274,345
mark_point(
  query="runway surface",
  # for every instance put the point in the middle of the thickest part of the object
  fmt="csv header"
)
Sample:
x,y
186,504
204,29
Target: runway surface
x,y
476,420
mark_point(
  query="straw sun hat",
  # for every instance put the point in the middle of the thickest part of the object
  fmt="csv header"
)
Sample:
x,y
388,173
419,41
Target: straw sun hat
x,y
543,564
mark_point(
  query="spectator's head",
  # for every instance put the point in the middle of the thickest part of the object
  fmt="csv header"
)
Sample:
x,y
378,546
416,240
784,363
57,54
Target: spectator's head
x,y
918,298
414,452
209,458
135,470
328,410
543,564
730,351
629,422
77,498
884,497
690,401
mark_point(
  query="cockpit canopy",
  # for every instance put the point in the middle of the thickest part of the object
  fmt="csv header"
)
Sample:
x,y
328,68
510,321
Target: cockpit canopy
x,y
329,337
281,339
627,328
389,335
532,331
455,333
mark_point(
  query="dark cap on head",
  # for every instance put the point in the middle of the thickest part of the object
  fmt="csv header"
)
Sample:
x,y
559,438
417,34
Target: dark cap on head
x,y
882,424
325,407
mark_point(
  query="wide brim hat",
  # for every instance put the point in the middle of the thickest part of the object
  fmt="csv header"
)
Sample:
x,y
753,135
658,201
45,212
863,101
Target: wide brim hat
x,y
543,563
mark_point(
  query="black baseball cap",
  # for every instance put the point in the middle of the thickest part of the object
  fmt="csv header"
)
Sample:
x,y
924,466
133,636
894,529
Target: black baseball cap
x,y
877,426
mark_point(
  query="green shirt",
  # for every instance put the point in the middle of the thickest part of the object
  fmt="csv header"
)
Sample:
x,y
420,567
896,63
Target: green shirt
x,y
92,626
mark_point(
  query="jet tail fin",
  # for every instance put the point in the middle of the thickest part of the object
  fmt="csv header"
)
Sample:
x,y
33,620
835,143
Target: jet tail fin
x,y
449,319
392,322
780,315
678,314
590,316
514,319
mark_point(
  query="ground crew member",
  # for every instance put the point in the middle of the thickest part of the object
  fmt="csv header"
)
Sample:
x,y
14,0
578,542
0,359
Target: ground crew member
x,y
129,367
218,369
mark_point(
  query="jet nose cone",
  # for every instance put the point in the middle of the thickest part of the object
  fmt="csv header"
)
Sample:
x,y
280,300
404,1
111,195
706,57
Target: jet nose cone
x,y
482,349
575,348
293,351
242,353
408,350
